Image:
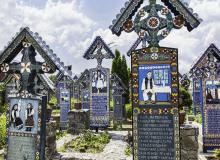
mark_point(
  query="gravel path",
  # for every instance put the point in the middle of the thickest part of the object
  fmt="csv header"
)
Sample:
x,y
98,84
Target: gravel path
x,y
114,150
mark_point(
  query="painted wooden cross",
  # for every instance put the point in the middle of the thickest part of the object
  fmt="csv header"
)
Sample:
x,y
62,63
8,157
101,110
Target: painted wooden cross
x,y
97,47
154,73
28,68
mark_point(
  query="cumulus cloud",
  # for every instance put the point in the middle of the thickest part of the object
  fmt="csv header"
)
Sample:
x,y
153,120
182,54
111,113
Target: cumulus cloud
x,y
69,31
192,44
61,24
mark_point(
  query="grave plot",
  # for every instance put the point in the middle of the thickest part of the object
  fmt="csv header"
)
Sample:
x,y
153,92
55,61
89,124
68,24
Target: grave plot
x,y
205,73
84,89
75,87
118,90
155,81
26,116
99,84
64,87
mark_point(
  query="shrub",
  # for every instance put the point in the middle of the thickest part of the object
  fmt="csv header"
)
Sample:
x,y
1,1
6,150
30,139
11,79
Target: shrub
x,y
217,153
53,100
186,98
89,142
2,130
129,110
198,118
60,134
128,150
3,108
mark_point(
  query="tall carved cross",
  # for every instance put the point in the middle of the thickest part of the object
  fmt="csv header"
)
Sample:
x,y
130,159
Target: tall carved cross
x,y
28,68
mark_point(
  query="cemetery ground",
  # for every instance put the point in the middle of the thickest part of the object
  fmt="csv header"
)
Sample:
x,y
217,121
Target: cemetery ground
x,y
112,143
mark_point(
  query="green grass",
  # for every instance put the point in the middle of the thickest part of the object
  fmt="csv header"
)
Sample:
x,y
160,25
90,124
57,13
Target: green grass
x,y
198,118
217,154
111,107
56,112
60,134
61,149
88,142
128,150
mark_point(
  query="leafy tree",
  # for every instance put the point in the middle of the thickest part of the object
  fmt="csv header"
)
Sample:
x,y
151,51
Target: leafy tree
x,y
119,66
116,63
53,78
186,98
2,130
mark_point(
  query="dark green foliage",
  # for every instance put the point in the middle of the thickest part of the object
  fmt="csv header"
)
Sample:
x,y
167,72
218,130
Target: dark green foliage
x,y
3,108
53,78
129,112
60,134
128,150
2,130
217,154
89,142
116,63
120,67
198,118
186,98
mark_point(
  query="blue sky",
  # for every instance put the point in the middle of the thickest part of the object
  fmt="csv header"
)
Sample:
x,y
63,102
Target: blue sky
x,y
69,27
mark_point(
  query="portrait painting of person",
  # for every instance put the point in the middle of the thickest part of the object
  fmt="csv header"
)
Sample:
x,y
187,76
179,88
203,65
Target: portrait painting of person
x,y
15,117
29,117
148,87
99,83
209,94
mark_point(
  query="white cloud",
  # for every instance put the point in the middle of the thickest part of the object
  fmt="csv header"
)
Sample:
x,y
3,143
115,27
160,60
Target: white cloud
x,y
191,45
69,31
61,24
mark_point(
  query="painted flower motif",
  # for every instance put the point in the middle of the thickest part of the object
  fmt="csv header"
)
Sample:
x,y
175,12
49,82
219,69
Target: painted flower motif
x,y
164,33
128,25
144,111
179,21
153,22
174,100
26,44
174,78
174,57
165,111
5,67
166,51
142,34
154,56
141,13
154,50
25,67
212,65
45,67
164,11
